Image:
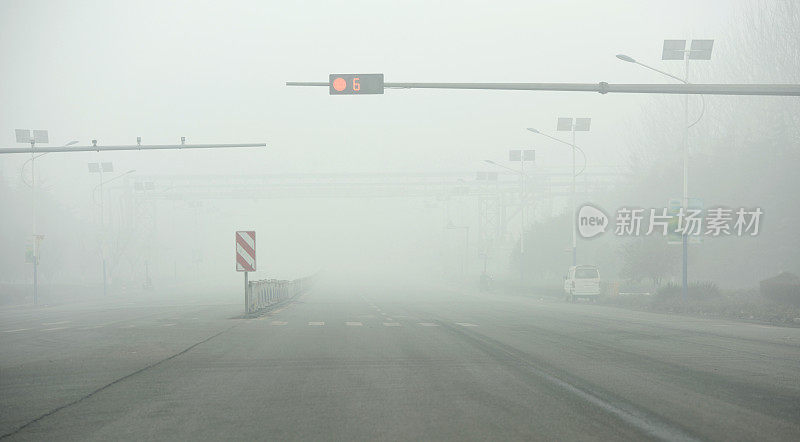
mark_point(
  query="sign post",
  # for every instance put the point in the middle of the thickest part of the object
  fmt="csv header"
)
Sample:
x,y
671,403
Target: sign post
x,y
695,207
246,260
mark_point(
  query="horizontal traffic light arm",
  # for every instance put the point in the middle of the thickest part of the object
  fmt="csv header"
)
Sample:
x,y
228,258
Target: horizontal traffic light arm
x,y
603,88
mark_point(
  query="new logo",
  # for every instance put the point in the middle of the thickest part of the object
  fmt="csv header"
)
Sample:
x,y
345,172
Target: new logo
x,y
591,221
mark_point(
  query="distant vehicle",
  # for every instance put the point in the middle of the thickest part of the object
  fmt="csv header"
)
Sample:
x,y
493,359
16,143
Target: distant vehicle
x,y
582,282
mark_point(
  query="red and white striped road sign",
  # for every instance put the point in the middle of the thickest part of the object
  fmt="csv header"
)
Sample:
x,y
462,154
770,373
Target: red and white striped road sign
x,y
246,251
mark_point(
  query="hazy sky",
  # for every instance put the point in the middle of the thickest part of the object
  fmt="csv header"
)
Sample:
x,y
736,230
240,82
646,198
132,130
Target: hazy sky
x,y
215,72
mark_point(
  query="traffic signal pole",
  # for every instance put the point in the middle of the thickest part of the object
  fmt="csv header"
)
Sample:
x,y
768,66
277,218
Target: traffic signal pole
x,y
93,148
602,87
341,84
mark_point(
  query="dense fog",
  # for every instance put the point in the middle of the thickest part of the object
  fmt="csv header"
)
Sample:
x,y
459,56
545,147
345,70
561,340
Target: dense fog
x,y
399,220
389,184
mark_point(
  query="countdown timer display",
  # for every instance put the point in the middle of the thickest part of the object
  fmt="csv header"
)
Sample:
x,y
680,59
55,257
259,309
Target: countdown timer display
x,y
355,84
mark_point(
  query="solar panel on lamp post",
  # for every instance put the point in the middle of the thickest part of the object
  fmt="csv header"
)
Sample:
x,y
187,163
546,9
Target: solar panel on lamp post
x,y
42,137
676,50
569,124
574,174
522,155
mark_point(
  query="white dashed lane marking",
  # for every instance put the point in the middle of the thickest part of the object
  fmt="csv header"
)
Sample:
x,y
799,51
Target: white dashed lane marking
x,y
391,324
354,323
278,323
316,323
14,331
428,324
466,324
54,328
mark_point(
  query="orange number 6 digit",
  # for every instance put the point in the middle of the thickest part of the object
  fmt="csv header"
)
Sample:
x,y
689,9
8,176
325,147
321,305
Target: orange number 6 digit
x,y
356,84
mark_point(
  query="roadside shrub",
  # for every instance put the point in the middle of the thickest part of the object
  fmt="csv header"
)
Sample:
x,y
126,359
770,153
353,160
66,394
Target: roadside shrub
x,y
783,288
704,290
698,291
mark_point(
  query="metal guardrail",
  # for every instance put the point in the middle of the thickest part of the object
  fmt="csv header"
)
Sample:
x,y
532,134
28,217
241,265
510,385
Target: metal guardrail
x,y
264,293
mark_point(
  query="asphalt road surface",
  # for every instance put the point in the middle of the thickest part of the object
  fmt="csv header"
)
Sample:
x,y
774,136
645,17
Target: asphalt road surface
x,y
397,363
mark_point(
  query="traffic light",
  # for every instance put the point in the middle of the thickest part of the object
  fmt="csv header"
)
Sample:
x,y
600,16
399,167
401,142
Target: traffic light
x,y
355,84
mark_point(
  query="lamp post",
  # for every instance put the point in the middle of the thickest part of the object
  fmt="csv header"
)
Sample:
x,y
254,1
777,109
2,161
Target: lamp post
x,y
676,50
569,124
34,137
33,158
522,176
520,155
100,168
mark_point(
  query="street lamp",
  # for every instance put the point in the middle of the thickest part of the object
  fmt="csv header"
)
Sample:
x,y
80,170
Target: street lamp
x,y
676,50
108,181
33,137
520,155
33,158
569,124
42,137
564,142
100,168
494,163
522,175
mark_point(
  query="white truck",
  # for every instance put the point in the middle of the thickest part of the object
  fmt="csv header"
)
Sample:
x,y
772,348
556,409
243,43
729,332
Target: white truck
x,y
582,282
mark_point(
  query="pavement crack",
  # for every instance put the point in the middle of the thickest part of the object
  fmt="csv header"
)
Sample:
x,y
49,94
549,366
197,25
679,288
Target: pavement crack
x,y
112,383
